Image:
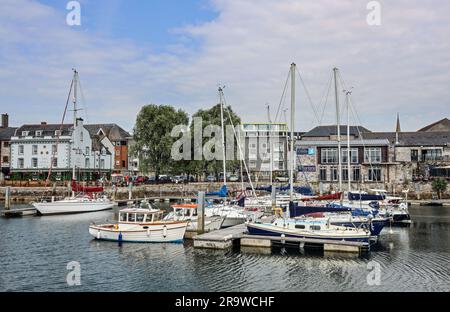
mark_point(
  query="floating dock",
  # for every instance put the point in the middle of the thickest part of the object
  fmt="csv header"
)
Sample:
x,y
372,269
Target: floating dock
x,y
225,238
18,212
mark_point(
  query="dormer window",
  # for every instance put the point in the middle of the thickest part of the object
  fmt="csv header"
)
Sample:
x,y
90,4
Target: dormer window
x,y
24,133
38,133
57,132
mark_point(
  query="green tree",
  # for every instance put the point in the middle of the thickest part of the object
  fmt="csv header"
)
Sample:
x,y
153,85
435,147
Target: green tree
x,y
212,117
439,185
153,141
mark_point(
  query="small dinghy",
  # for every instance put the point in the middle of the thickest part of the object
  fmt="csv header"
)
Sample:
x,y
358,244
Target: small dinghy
x,y
140,226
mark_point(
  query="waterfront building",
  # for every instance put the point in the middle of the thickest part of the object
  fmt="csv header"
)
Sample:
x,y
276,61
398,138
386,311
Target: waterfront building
x,y
265,148
317,158
37,148
6,133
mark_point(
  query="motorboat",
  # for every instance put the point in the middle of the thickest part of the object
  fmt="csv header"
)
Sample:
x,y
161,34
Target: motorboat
x,y
140,226
188,212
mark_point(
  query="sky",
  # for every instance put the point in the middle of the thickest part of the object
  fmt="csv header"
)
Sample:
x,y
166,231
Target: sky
x,y
130,53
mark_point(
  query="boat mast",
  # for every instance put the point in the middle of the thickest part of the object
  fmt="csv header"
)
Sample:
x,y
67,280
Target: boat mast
x,y
223,137
291,176
74,100
338,120
347,94
269,137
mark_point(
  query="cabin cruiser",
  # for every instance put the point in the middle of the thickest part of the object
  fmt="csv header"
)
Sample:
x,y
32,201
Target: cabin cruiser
x,y
309,228
188,212
140,226
75,204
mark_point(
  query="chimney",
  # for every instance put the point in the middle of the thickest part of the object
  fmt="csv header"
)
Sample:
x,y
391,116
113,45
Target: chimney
x,y
5,121
43,123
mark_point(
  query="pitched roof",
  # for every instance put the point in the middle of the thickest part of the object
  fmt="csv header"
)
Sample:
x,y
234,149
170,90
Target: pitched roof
x,y
112,131
324,131
444,122
413,138
47,129
6,133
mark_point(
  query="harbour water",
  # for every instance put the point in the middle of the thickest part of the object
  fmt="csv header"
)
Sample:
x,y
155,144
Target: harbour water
x,y
35,251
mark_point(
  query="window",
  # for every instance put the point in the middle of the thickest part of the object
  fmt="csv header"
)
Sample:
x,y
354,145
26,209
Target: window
x,y
87,150
20,149
148,218
102,164
58,133
34,149
5,144
432,154
38,133
374,174
103,151
334,174
117,162
323,174
54,149
55,162
24,133
34,162
329,156
5,159
123,164
299,226
372,155
20,163
345,174
131,217
356,174
123,217
353,155
314,227
140,217
87,163
81,136
414,155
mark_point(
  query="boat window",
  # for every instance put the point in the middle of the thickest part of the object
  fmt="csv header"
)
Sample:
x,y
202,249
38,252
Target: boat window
x,y
315,228
299,226
140,217
123,217
131,217
179,212
148,218
157,217
194,212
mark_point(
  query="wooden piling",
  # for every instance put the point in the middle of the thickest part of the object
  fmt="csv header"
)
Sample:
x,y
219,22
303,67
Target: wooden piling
x,y
8,198
201,212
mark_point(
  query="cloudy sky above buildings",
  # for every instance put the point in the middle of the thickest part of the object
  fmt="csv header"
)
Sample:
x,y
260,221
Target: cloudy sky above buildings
x,y
130,53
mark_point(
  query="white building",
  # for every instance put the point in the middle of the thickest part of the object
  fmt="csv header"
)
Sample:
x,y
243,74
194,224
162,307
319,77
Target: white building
x,y
35,147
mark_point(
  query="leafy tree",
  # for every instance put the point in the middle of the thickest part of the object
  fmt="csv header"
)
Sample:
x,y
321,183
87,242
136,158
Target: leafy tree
x,y
212,117
153,141
439,185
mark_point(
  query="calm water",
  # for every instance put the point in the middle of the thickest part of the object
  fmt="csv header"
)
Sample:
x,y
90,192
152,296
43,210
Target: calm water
x,y
34,252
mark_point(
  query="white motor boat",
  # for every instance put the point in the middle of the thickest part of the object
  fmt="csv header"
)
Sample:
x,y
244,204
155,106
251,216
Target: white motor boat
x,y
71,205
233,215
188,212
140,226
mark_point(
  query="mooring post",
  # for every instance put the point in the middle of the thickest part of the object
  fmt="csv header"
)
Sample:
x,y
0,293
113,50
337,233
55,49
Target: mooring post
x,y
201,212
69,188
8,198
54,189
130,190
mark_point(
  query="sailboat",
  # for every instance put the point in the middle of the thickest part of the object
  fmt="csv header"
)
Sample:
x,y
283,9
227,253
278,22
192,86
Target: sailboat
x,y
304,227
77,203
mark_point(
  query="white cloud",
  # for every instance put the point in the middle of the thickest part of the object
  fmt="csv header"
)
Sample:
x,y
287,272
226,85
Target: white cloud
x,y
402,65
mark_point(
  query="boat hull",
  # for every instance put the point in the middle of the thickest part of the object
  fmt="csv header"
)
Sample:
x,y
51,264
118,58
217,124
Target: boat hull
x,y
55,208
162,233
375,226
270,230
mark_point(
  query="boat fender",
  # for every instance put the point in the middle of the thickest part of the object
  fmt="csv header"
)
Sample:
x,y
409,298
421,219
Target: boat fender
x,y
165,231
116,226
148,232
120,237
98,234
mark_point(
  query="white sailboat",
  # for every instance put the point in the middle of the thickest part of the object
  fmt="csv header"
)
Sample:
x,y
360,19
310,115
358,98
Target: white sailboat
x,y
75,204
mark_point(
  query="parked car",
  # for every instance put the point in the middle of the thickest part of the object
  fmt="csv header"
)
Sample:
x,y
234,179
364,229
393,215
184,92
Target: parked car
x,y
281,179
150,180
211,178
165,178
177,179
233,178
140,180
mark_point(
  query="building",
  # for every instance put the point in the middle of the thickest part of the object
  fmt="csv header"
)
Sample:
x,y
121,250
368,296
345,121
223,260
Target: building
x,y
37,148
318,158
265,148
6,133
118,142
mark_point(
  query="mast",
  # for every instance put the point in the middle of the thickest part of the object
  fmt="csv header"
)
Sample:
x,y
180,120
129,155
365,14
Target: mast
x,y
223,137
74,100
291,176
347,94
338,120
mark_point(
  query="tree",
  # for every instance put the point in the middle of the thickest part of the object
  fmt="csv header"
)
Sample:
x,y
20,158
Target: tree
x,y
152,136
439,185
212,117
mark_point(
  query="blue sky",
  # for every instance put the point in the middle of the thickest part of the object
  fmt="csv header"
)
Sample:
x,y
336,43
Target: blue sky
x,y
131,53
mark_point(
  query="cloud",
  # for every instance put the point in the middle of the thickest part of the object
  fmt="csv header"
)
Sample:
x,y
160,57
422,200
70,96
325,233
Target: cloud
x,y
403,65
